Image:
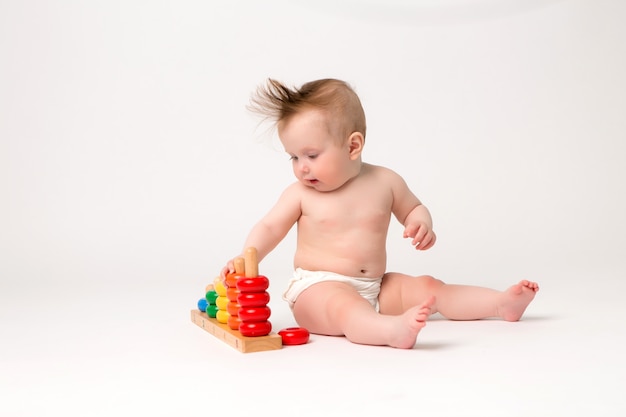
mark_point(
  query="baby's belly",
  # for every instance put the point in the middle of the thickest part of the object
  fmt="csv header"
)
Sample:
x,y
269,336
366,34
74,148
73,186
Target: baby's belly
x,y
368,265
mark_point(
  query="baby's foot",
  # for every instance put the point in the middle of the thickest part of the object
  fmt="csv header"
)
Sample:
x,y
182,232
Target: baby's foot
x,y
409,324
516,299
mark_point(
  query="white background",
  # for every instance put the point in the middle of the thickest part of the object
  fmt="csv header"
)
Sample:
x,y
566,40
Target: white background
x,y
130,171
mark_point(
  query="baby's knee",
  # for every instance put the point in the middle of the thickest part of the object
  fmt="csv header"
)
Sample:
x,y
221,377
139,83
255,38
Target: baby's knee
x,y
431,283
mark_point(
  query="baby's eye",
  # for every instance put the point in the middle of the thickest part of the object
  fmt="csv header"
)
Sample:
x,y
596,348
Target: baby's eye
x,y
312,156
293,158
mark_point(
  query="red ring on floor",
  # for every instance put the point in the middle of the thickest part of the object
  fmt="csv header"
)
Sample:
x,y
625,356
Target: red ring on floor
x,y
294,335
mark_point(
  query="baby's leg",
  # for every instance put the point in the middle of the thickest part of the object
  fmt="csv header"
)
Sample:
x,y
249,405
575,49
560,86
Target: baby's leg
x,y
457,302
336,309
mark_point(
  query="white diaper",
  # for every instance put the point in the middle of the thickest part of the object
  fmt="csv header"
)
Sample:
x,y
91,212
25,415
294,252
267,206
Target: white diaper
x,y
368,288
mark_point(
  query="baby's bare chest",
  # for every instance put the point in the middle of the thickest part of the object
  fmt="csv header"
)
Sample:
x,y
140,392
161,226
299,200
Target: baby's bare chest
x,y
359,210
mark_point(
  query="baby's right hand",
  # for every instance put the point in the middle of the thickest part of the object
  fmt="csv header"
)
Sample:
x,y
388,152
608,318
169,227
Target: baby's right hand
x,y
229,268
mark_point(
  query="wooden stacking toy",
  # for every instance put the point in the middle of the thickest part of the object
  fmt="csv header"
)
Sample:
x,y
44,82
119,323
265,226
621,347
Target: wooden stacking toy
x,y
242,316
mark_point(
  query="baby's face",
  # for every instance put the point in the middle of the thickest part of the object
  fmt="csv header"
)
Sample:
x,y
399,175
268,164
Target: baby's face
x,y
320,159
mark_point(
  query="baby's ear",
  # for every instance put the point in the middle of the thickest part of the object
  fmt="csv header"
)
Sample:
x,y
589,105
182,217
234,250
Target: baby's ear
x,y
356,141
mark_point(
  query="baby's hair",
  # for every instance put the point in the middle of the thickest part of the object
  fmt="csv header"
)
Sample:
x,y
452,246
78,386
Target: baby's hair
x,y
278,103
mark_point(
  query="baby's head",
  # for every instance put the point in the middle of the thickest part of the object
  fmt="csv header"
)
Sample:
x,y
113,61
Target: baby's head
x,y
321,126
334,98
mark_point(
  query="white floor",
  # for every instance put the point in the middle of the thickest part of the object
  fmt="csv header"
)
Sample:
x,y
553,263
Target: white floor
x,y
129,350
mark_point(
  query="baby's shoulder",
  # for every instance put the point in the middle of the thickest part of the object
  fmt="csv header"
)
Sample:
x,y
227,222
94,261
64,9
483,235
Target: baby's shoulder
x,y
381,172
291,195
295,189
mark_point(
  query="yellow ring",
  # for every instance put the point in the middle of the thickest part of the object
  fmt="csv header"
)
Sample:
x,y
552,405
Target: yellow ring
x,y
222,303
220,289
222,316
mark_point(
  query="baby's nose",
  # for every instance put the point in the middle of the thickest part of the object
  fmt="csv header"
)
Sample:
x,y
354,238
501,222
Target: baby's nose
x,y
303,166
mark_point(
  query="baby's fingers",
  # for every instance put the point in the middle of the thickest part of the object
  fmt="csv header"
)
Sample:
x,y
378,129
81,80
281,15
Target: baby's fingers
x,y
427,242
410,231
230,267
419,236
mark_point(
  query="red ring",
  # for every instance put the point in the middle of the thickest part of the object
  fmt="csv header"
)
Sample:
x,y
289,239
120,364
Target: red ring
x,y
294,335
261,328
253,284
253,299
252,314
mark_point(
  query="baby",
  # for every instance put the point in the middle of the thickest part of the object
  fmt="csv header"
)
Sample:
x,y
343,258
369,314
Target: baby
x,y
342,207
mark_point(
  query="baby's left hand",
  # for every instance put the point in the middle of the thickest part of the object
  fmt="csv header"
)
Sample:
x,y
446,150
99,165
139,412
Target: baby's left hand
x,y
422,235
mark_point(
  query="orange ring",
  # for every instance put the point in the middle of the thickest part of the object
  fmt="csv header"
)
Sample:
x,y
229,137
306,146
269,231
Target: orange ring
x,y
232,293
231,279
234,322
233,308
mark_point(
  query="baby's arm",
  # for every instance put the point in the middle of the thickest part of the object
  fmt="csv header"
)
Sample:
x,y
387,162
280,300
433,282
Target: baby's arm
x,y
273,227
409,210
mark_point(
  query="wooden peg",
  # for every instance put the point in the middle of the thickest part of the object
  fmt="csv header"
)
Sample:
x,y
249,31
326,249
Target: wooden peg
x,y
240,263
251,264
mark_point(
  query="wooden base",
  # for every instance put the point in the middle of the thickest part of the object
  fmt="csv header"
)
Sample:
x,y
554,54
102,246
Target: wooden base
x,y
233,337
